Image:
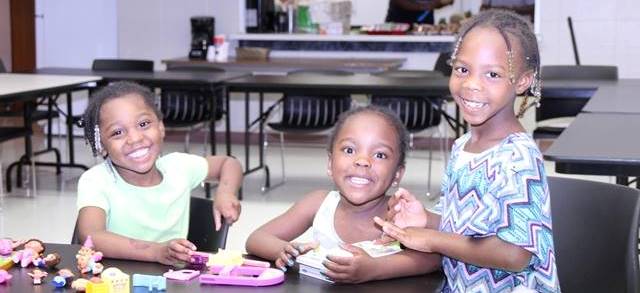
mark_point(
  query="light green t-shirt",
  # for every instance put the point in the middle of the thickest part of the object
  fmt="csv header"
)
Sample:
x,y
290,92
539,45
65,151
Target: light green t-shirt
x,y
157,213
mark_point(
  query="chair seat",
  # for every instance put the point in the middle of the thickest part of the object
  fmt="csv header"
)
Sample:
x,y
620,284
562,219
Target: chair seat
x,y
286,127
547,132
8,133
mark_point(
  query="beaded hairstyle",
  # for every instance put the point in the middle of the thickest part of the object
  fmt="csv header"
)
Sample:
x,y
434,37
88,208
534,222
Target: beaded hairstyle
x,y
388,115
91,117
512,27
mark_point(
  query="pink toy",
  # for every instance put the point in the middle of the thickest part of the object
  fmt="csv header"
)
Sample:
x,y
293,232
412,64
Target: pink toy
x,y
32,250
37,276
4,276
88,259
242,276
7,245
198,260
181,275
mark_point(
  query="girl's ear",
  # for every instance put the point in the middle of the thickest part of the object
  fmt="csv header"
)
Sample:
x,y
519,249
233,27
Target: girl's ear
x,y
399,174
161,128
524,82
329,172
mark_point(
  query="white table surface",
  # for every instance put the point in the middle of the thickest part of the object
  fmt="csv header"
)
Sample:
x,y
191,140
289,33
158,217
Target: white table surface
x,y
17,83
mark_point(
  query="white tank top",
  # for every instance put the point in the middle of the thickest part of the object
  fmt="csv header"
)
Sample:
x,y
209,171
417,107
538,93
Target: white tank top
x,y
324,231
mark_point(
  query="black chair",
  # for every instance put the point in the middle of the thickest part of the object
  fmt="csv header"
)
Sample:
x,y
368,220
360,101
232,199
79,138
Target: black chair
x,y
566,106
418,113
305,113
442,63
191,109
595,233
2,68
7,134
122,65
202,231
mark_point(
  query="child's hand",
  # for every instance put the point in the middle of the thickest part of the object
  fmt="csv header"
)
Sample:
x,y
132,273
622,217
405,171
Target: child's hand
x,y
411,237
227,206
350,269
409,211
175,251
290,252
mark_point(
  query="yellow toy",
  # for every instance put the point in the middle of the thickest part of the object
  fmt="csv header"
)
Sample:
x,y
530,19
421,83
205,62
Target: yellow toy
x,y
6,263
117,281
96,285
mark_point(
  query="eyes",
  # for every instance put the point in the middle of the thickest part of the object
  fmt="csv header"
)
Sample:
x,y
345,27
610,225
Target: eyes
x,y
463,71
381,155
120,131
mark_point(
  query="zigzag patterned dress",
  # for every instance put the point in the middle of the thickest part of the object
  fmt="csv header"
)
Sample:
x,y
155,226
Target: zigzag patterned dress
x,y
502,191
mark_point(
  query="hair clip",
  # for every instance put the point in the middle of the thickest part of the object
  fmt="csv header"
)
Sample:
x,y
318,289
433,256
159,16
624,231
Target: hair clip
x,y
96,139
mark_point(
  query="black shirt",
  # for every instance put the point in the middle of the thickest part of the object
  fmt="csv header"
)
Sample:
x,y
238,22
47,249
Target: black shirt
x,y
398,14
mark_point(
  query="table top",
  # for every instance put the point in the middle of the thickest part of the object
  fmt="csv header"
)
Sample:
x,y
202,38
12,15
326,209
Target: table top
x,y
287,64
605,96
352,84
156,77
19,84
294,282
601,140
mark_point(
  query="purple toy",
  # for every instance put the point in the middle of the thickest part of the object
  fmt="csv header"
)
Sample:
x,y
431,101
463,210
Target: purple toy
x,y
242,276
4,276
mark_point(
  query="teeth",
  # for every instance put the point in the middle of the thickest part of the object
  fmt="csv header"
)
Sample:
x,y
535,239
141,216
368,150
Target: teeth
x,y
471,104
139,153
359,180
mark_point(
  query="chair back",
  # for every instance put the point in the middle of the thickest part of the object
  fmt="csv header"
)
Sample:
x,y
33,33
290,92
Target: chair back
x,y
2,68
122,65
416,112
182,107
202,232
305,112
442,63
595,234
579,72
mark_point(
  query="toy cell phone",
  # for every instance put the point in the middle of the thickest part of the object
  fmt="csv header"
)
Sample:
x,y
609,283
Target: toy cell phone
x,y
181,275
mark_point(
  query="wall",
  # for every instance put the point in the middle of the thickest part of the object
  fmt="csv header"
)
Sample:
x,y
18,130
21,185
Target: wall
x,y
5,34
160,29
606,33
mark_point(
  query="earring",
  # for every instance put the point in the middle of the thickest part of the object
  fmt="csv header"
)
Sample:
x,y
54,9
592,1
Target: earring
x,y
394,183
329,173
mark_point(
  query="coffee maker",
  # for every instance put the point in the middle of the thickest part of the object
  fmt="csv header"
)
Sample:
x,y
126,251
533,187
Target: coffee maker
x,y
202,32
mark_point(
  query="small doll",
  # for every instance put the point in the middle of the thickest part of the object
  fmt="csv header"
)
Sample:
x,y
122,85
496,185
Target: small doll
x,y
79,284
88,259
31,250
7,245
37,276
64,277
50,261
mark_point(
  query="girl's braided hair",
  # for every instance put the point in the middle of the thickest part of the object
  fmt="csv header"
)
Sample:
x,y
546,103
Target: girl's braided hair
x,y
512,27
91,117
384,112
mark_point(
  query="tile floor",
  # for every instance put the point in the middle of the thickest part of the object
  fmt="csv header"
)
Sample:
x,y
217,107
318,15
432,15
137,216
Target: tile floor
x,y
50,214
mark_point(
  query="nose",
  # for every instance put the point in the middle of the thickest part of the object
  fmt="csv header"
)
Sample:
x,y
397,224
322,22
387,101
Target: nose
x,y
472,83
362,161
134,136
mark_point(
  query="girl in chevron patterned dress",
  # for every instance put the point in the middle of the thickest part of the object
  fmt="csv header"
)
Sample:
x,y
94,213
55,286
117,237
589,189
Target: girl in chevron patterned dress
x,y
493,222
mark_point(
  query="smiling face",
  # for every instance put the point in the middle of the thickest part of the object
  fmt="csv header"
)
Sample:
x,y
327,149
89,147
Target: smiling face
x,y
364,160
132,136
480,83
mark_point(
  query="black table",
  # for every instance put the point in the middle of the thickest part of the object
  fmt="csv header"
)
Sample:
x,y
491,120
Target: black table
x,y
330,85
211,81
605,96
28,88
22,283
598,144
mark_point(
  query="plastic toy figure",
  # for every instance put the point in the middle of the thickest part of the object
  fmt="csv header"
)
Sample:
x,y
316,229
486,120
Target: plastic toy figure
x,y
37,276
96,285
117,281
7,245
50,261
79,284
88,259
64,277
31,251
149,281
4,276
